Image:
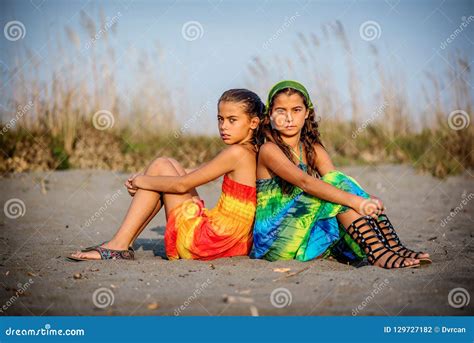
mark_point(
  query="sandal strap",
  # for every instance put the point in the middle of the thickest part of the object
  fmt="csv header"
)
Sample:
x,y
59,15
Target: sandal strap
x,y
394,255
362,237
93,247
109,254
404,252
364,229
387,225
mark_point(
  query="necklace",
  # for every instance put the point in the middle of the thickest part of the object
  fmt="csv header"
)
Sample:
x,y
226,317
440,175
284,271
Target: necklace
x,y
300,157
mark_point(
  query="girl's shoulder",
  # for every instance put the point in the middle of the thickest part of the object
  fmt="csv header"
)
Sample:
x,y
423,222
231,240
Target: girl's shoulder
x,y
239,151
268,148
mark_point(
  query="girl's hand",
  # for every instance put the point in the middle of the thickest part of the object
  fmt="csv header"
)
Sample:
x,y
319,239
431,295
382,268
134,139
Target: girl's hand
x,y
369,207
129,184
134,179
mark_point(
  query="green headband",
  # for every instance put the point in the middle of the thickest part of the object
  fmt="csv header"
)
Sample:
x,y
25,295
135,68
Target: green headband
x,y
289,84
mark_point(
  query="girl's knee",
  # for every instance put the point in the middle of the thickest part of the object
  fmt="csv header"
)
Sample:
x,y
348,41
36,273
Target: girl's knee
x,y
174,162
160,166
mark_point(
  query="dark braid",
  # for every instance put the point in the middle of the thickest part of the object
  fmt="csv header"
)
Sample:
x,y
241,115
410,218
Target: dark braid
x,y
254,107
309,137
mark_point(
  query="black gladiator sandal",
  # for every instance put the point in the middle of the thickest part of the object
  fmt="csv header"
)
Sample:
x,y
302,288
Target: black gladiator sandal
x,y
365,232
394,243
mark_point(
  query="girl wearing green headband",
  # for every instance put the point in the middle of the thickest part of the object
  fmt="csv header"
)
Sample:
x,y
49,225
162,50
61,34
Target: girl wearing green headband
x,y
305,207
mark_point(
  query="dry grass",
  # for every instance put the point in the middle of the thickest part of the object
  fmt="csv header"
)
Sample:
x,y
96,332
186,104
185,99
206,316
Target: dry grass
x,y
57,132
380,127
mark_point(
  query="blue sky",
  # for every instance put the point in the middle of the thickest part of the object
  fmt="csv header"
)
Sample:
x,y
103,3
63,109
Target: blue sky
x,y
233,32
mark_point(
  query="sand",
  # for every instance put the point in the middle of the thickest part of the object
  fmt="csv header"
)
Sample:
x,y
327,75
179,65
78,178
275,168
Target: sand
x,y
59,216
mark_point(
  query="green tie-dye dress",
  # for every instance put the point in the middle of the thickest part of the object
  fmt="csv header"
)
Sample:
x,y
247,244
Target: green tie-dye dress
x,y
300,226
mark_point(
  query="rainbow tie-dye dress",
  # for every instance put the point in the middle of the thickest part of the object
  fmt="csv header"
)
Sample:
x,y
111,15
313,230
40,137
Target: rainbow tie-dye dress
x,y
300,226
195,232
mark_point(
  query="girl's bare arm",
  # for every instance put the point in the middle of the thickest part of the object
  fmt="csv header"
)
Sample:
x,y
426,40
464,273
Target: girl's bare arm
x,y
325,165
190,170
223,163
323,161
275,160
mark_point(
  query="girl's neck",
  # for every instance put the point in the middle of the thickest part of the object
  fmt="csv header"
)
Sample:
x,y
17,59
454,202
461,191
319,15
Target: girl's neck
x,y
292,141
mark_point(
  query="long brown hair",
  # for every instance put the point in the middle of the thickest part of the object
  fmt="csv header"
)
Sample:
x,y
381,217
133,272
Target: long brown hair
x,y
309,136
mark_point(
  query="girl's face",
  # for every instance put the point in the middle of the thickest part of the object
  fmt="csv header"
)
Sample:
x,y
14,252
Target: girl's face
x,y
288,114
235,125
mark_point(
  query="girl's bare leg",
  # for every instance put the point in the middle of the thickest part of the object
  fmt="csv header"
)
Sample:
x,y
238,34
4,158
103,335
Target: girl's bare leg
x,y
346,220
181,171
144,204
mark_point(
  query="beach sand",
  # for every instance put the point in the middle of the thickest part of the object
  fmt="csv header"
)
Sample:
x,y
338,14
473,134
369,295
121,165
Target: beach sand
x,y
59,216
